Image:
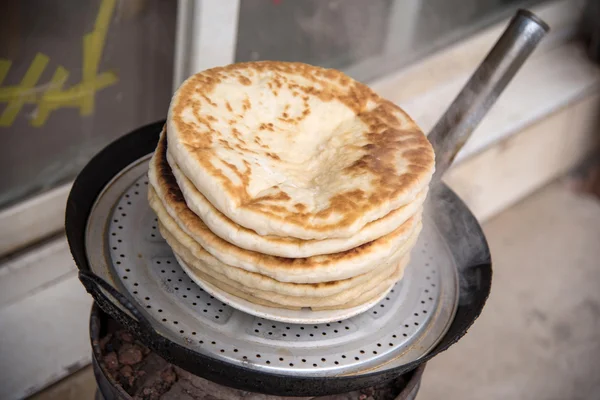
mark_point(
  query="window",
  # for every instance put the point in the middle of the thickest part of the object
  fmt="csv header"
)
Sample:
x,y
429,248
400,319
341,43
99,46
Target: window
x,y
75,75
366,39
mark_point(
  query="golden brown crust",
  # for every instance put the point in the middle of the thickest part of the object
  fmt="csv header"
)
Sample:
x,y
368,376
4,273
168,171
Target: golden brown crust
x,y
391,138
161,153
172,196
198,258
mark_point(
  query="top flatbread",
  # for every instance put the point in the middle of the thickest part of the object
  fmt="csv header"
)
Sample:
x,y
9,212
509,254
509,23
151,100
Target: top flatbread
x,y
247,239
292,150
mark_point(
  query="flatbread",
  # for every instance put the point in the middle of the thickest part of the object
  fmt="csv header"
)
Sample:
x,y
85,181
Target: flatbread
x,y
265,281
200,259
247,239
364,297
322,268
292,150
200,271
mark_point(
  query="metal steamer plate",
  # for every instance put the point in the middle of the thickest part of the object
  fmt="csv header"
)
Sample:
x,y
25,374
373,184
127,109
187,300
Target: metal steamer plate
x,y
126,249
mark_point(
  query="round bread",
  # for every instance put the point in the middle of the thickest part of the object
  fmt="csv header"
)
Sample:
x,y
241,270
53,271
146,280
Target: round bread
x,y
247,239
166,199
342,297
361,298
292,150
198,258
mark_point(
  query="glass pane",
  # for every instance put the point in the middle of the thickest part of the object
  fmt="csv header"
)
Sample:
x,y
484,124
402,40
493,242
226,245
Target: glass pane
x,y
74,75
366,39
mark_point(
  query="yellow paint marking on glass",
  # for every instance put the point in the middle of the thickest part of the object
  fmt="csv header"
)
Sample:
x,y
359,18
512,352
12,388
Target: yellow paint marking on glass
x,y
93,45
46,106
28,82
51,96
73,96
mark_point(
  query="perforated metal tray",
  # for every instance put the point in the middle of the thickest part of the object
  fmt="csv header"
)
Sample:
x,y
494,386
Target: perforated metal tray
x,y
401,328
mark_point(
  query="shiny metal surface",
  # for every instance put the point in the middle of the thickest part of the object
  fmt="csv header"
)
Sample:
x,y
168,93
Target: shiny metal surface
x,y
516,44
401,328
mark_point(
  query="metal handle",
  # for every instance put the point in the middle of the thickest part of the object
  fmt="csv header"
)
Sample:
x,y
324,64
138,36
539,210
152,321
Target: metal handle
x,y
93,283
518,41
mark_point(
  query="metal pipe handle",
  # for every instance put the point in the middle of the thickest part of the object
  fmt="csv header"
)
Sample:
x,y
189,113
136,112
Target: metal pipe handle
x,y
516,44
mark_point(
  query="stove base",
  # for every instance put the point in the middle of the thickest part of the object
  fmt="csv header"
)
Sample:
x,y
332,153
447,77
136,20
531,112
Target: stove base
x,y
110,389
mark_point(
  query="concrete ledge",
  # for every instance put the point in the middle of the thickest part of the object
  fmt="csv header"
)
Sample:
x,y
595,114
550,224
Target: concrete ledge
x,y
503,174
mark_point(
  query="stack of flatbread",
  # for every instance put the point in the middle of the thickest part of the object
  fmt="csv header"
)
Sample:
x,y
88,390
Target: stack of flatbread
x,y
289,185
